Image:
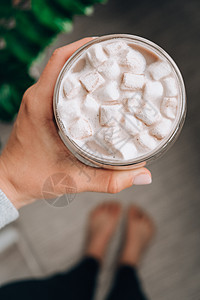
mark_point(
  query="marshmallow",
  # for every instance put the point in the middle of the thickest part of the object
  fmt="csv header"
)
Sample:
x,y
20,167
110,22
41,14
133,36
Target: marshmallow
x,y
68,110
117,141
90,105
113,136
131,94
161,130
144,141
110,135
71,87
110,115
131,124
110,69
115,48
133,104
170,87
148,114
168,107
159,69
80,129
135,61
110,138
96,55
132,81
110,92
94,147
153,90
128,150
91,81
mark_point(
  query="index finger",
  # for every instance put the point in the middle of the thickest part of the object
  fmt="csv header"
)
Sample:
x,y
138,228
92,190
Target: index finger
x,y
56,62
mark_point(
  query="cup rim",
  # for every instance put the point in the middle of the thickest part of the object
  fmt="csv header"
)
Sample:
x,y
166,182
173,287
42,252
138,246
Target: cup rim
x,y
76,149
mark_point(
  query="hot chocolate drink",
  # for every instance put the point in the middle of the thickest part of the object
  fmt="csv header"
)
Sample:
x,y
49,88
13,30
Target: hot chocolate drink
x,y
119,100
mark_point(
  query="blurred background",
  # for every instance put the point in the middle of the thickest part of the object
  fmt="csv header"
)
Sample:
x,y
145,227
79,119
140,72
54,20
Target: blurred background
x,y
46,239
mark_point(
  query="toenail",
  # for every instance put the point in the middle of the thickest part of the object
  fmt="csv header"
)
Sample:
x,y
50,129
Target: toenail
x,y
142,179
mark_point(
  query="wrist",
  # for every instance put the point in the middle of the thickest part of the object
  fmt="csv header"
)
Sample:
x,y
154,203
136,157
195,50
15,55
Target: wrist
x,y
8,186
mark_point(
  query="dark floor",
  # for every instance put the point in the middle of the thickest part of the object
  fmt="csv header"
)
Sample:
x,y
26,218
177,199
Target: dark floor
x,y
171,269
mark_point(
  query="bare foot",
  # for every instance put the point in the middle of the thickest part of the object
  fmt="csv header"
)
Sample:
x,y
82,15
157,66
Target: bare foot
x,y
102,224
139,232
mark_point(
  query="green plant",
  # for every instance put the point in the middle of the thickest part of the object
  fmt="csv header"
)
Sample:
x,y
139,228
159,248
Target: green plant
x,y
26,28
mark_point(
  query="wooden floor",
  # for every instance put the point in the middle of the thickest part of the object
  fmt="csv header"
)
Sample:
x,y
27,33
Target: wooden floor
x,y
52,239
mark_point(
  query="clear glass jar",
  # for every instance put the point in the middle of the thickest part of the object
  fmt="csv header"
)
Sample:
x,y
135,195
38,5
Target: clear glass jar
x,y
95,161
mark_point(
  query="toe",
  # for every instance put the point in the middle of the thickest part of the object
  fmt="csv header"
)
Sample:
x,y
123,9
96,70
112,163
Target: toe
x,y
135,212
104,205
116,210
149,222
98,210
111,206
111,209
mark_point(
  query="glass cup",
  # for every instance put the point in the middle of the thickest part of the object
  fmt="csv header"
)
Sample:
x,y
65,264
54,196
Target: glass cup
x,y
83,153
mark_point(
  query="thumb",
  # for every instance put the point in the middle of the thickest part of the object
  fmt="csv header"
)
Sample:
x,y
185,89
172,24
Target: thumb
x,y
109,181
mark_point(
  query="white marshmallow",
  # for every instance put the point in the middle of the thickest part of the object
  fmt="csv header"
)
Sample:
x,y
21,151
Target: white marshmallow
x,y
96,55
116,140
68,111
110,92
71,87
110,115
132,81
153,90
161,130
110,135
132,94
169,107
91,81
80,129
170,87
115,48
131,124
90,106
159,70
114,136
110,69
144,141
133,104
148,114
135,61
106,137
95,148
128,150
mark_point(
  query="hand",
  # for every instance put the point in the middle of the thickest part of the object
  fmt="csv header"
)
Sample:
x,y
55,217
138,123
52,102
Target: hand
x,y
35,151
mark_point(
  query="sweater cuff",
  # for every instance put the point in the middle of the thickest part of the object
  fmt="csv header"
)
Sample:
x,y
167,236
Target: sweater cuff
x,y
8,213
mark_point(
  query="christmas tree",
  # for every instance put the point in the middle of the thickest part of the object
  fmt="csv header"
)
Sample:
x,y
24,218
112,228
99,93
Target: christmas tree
x,y
26,28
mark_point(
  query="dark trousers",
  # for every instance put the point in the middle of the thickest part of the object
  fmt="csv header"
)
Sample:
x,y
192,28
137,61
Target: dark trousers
x,y
77,284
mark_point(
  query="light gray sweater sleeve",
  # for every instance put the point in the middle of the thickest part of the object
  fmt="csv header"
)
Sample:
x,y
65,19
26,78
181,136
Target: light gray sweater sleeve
x,y
8,213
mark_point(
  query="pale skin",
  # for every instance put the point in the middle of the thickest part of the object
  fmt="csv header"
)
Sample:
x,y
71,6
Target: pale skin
x,y
103,222
35,151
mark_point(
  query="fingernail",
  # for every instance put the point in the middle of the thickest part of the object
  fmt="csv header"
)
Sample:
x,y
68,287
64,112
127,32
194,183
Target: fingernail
x,y
142,179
